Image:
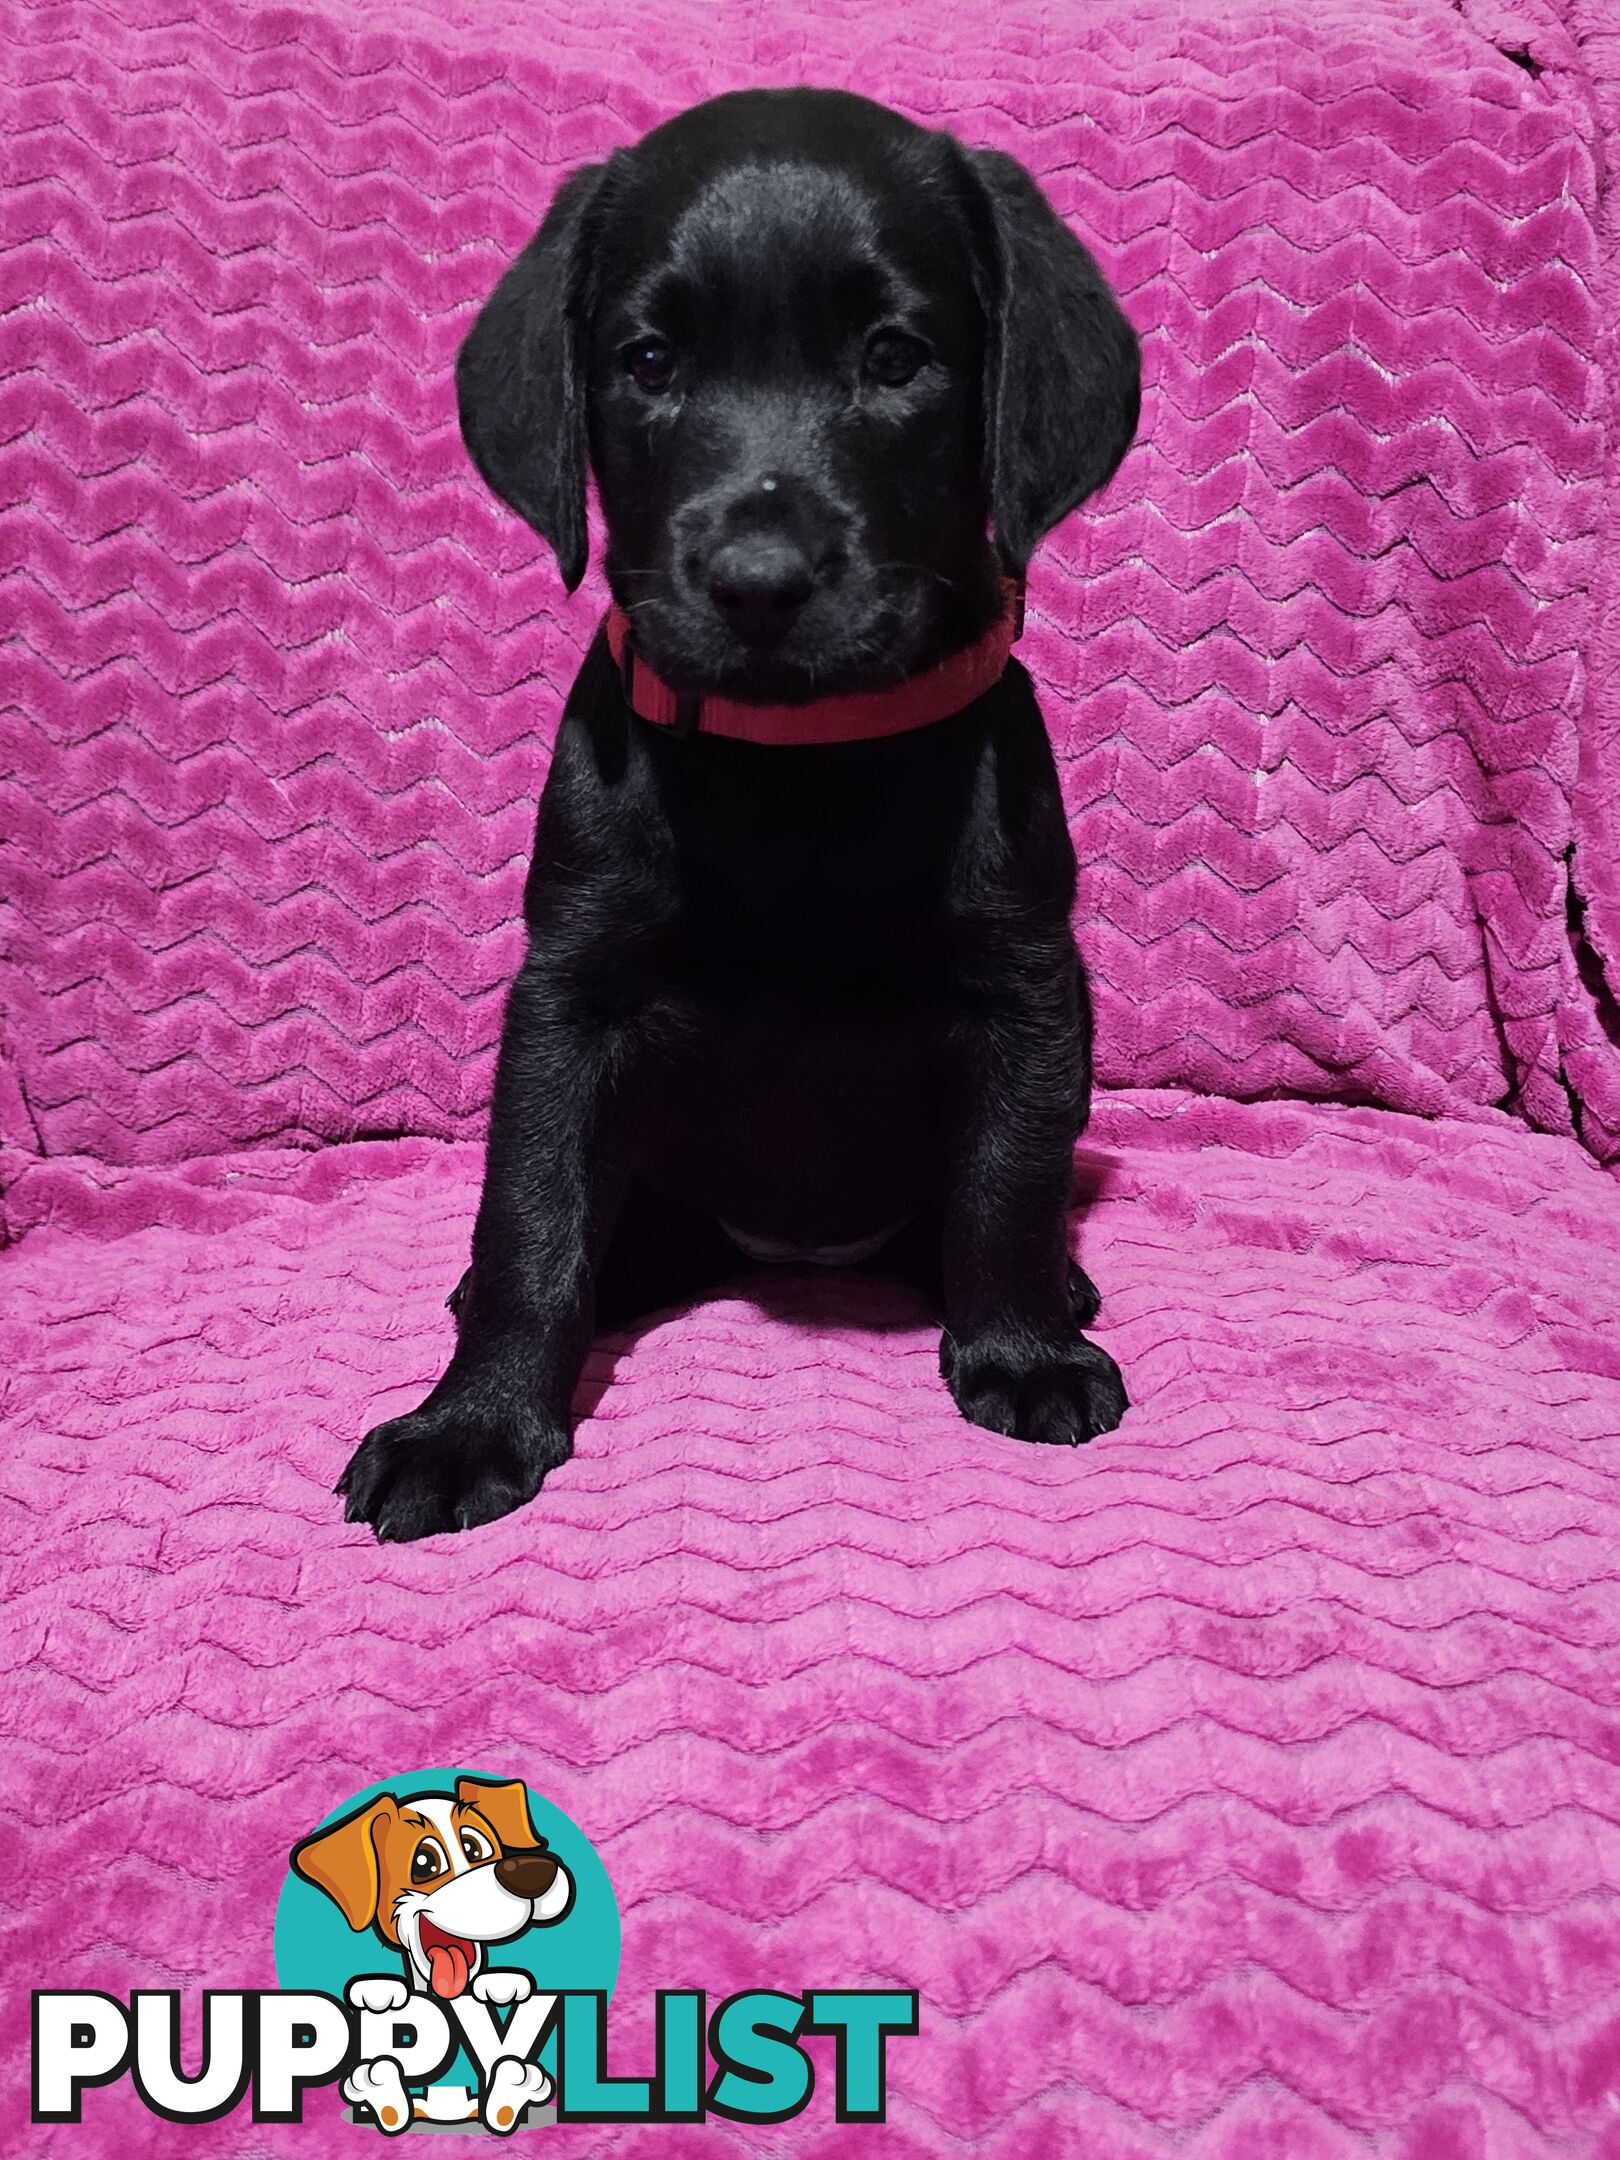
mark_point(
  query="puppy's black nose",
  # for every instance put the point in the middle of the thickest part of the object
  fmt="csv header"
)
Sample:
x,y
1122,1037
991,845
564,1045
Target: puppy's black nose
x,y
759,584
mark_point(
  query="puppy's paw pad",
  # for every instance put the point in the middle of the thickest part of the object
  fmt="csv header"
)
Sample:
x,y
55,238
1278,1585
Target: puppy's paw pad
x,y
1059,1394
451,1465
378,1993
379,2086
513,2086
503,1984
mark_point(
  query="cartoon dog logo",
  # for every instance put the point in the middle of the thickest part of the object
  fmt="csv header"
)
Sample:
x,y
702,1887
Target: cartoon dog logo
x,y
439,1877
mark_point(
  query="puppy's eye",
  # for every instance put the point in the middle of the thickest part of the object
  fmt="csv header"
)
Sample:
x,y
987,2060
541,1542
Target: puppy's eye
x,y
428,1860
894,358
651,364
476,1847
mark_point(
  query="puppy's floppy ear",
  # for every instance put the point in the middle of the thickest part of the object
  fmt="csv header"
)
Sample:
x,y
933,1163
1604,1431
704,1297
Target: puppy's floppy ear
x,y
1063,374
504,1807
520,379
342,1860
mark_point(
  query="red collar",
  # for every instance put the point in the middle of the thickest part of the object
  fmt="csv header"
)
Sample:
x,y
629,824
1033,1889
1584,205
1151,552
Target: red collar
x,y
861,717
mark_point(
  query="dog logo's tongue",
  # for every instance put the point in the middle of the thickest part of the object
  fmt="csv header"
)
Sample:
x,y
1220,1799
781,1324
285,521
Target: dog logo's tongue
x,y
450,1960
450,1968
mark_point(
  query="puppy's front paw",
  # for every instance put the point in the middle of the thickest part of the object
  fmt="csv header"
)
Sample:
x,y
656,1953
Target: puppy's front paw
x,y
1034,1388
457,1462
503,1984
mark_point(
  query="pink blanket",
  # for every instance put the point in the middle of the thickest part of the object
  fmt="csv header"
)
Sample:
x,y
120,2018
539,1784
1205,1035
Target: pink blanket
x,y
1317,665
1247,1785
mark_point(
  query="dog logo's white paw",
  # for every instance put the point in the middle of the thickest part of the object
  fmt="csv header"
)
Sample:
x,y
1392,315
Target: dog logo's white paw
x,y
505,1984
513,2086
378,1993
379,2086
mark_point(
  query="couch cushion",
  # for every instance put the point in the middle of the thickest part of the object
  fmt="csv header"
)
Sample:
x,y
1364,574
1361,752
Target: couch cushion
x,y
1246,1783
285,675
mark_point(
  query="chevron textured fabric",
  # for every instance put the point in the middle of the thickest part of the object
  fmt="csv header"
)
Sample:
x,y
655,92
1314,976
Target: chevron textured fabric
x,y
1246,1786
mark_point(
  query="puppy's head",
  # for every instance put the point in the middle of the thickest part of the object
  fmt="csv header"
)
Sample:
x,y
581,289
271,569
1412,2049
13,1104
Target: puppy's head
x,y
813,353
439,1875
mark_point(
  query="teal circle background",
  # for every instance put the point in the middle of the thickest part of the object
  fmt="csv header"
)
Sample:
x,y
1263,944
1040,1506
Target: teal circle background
x,y
316,1948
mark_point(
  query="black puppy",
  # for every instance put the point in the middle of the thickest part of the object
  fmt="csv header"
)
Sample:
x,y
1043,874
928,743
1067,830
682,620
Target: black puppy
x,y
813,993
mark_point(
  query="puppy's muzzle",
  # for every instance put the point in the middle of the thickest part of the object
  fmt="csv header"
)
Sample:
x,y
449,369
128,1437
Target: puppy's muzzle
x,y
526,1874
761,554
759,583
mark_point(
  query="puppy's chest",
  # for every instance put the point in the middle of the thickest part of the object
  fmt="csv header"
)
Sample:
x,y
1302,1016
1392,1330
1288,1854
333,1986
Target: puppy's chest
x,y
815,943
846,917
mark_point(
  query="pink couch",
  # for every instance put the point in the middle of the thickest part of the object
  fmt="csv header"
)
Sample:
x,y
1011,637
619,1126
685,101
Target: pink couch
x,y
1246,1785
